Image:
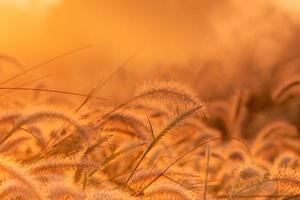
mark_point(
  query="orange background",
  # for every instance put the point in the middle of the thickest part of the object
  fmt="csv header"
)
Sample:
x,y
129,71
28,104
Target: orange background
x,y
168,34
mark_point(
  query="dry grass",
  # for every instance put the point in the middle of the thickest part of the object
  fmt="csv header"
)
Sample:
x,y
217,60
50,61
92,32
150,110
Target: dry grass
x,y
152,146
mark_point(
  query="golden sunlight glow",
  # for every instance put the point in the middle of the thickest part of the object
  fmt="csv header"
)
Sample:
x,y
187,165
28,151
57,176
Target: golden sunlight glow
x,y
149,99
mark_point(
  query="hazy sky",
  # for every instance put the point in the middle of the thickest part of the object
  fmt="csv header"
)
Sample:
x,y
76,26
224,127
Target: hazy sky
x,y
169,32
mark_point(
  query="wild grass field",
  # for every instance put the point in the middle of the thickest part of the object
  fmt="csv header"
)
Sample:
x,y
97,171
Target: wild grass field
x,y
165,142
209,109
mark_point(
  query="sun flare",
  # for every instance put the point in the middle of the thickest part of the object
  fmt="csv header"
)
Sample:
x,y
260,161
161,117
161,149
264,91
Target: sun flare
x,y
28,4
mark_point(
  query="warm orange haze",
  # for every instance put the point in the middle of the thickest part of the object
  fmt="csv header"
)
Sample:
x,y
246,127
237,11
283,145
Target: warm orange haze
x,y
168,99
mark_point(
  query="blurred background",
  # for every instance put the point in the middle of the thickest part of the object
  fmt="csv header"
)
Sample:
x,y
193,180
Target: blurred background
x,y
194,41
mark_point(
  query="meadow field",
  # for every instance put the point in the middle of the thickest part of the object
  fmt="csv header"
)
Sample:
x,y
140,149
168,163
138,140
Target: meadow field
x,y
134,100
